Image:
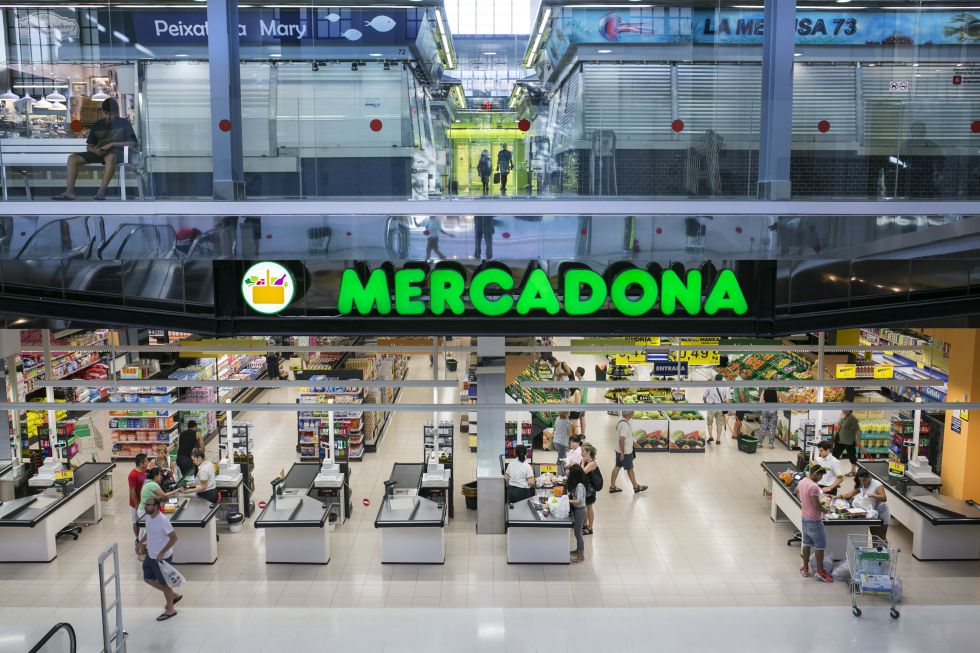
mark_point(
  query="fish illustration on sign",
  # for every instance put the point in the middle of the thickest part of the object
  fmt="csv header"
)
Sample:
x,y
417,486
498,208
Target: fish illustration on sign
x,y
964,27
333,18
611,26
381,23
352,35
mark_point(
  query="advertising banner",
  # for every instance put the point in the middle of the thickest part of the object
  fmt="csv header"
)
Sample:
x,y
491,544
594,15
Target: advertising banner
x,y
67,34
733,26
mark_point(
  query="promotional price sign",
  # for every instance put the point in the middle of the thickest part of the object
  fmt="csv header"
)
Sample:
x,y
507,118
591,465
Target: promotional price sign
x,y
846,371
696,356
884,371
896,455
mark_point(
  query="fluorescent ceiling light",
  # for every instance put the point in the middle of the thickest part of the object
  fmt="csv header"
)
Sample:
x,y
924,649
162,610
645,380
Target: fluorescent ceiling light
x,y
604,51
376,54
797,54
489,54
275,55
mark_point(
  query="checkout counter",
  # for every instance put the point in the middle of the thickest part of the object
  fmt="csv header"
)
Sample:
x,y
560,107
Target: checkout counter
x,y
229,481
7,491
942,528
413,524
295,522
196,524
786,507
533,538
29,526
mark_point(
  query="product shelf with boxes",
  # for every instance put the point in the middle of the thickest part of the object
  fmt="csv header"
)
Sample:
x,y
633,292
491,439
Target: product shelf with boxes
x,y
517,434
144,427
468,425
326,397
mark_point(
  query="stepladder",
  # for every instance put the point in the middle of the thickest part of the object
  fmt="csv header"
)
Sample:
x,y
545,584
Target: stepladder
x,y
113,635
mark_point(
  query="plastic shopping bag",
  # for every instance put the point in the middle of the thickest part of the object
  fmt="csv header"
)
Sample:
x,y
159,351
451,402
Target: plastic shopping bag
x,y
561,507
842,571
828,564
173,577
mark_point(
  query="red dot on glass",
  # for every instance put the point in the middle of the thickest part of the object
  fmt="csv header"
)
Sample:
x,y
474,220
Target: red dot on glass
x,y
506,234
349,233
268,236
524,124
375,125
975,126
366,502
585,232
659,230
425,232
738,230
224,125
76,126
677,125
823,126
957,79
23,233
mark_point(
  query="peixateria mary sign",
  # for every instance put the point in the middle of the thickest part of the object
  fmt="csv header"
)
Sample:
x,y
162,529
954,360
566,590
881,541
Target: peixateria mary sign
x,y
493,292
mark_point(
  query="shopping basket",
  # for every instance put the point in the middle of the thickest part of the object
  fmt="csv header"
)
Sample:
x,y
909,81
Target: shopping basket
x,y
874,570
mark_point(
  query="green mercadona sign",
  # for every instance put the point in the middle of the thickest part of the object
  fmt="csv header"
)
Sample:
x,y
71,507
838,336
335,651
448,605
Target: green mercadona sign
x,y
492,291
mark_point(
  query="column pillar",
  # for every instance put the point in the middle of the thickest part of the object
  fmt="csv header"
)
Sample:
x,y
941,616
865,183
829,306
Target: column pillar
x,y
226,101
491,382
776,108
961,451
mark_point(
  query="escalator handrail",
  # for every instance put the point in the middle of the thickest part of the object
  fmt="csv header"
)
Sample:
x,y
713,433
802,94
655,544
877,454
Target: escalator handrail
x,y
51,633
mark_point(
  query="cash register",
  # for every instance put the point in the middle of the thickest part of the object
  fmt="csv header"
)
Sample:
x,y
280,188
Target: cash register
x,y
47,473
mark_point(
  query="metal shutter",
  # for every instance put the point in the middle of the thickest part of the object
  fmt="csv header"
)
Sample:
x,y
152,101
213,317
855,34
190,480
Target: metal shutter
x,y
945,109
723,97
630,99
564,111
828,93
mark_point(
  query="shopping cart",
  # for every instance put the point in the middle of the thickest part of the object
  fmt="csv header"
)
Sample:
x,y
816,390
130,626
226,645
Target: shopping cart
x,y
874,570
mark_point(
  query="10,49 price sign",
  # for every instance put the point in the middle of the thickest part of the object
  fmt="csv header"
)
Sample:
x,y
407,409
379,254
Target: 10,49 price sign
x,y
696,356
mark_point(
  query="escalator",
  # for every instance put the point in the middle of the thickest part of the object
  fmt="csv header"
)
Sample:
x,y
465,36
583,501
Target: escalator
x,y
60,639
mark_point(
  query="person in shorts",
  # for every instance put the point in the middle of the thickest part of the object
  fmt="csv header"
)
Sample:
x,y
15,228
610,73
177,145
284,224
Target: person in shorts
x,y
136,479
814,535
716,418
159,540
623,447
105,143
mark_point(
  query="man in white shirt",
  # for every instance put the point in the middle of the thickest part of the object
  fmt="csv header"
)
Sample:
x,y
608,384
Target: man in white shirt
x,y
623,447
834,476
716,418
159,540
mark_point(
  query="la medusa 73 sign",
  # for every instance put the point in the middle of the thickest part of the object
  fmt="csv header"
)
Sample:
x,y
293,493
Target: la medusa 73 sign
x,y
492,292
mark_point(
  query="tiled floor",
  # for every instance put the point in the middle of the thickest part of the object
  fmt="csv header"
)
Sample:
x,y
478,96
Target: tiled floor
x,y
700,538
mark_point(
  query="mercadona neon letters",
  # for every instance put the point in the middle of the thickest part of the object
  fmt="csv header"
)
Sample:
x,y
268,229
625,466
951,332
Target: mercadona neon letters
x,y
491,292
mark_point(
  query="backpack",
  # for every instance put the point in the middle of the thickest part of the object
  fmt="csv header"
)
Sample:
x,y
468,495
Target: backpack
x,y
595,479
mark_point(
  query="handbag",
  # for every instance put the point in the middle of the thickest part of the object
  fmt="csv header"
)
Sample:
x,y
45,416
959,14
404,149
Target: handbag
x,y
496,177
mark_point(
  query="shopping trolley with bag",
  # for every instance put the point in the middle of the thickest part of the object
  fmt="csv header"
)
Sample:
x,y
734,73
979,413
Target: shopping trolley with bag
x,y
874,570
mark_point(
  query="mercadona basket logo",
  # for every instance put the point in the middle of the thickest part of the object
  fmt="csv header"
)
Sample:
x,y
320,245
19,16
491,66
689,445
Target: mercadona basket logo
x,y
268,287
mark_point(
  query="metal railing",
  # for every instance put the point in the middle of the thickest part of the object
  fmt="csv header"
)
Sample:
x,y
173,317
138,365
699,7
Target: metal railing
x,y
60,639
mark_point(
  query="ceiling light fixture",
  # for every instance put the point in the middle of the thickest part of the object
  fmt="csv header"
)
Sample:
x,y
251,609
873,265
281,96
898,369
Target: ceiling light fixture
x,y
55,96
604,51
58,106
100,96
42,104
9,95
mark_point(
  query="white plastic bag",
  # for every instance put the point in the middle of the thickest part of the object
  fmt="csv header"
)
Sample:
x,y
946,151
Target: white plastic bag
x,y
842,571
864,503
561,508
828,564
172,577
897,588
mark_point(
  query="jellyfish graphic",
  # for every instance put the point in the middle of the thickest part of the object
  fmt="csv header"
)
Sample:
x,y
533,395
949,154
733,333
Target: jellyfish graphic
x,y
352,35
381,23
611,26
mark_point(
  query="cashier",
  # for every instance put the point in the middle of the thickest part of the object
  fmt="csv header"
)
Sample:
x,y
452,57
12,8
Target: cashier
x,y
873,492
824,457
206,486
519,476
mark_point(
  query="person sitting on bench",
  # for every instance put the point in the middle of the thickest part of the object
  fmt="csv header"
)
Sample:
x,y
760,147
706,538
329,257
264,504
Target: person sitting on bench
x,y
106,140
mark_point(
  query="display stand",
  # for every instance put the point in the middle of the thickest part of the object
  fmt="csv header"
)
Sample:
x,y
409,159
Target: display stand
x,y
242,443
142,430
314,424
438,450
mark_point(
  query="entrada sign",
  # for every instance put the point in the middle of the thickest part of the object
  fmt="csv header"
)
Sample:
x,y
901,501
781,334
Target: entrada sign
x,y
492,291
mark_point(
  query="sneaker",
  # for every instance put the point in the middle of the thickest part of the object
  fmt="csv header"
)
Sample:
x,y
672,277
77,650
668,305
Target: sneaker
x,y
824,577
805,572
